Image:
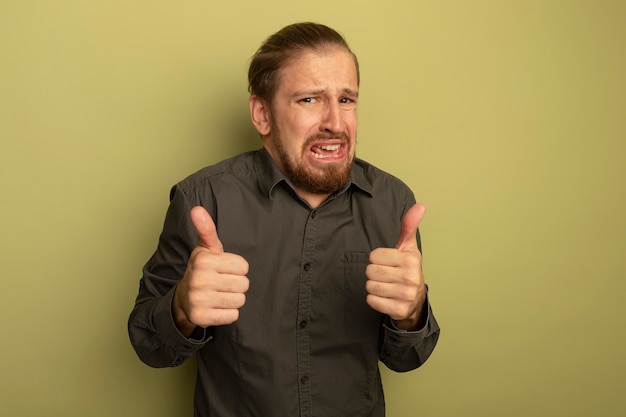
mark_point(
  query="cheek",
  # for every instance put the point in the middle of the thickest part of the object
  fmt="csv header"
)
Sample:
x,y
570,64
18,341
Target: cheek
x,y
352,129
350,119
300,125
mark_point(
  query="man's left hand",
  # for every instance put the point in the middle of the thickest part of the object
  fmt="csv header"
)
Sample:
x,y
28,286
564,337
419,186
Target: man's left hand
x,y
395,281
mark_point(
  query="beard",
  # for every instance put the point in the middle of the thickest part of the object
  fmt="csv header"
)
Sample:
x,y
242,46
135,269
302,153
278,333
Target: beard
x,y
316,180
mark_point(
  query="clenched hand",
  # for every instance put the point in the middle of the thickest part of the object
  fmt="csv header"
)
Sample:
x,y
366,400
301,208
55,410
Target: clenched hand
x,y
395,281
214,285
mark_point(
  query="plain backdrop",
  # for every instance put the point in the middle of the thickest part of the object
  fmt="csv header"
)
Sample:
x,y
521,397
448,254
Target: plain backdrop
x,y
506,118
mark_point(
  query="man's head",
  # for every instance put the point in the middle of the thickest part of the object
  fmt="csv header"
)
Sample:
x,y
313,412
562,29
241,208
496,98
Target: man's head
x,y
279,48
304,88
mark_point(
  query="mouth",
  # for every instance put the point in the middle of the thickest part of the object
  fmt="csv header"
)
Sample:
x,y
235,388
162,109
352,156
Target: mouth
x,y
329,152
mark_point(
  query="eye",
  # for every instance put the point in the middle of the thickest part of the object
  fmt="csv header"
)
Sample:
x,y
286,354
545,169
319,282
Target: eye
x,y
308,100
346,100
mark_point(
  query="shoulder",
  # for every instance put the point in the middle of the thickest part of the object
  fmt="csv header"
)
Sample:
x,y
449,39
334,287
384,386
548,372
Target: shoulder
x,y
236,166
237,169
382,183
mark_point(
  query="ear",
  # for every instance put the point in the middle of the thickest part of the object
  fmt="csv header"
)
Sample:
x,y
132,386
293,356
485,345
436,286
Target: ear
x,y
259,113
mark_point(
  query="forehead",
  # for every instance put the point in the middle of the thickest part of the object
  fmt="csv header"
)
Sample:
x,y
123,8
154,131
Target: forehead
x,y
330,67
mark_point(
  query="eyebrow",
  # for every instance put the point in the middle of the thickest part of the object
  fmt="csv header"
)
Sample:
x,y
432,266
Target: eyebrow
x,y
351,92
347,91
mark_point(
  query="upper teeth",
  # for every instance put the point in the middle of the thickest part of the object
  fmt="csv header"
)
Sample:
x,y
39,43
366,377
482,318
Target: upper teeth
x,y
330,147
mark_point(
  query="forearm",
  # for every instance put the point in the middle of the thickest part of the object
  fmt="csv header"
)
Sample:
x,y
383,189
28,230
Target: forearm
x,y
405,350
155,337
182,322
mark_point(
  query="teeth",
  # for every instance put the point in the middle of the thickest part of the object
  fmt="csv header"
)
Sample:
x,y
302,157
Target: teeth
x,y
329,148
320,156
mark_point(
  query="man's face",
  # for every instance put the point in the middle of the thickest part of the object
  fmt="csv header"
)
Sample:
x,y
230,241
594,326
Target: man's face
x,y
313,120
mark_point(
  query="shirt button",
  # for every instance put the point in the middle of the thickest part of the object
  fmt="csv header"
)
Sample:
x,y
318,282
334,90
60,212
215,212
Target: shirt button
x,y
303,324
307,266
313,214
304,379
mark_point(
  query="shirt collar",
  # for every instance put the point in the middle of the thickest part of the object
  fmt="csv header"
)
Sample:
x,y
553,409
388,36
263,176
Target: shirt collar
x,y
269,175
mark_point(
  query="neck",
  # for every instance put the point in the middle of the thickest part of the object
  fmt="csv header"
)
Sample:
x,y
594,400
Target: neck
x,y
314,200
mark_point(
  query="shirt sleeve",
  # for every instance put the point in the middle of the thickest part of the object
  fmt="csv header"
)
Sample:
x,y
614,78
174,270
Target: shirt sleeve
x,y
402,350
152,331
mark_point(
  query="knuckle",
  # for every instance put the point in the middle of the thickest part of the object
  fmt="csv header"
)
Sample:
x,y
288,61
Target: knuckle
x,y
194,298
245,284
226,317
400,311
241,300
204,260
232,300
371,270
233,316
409,293
411,261
375,255
197,318
245,266
371,301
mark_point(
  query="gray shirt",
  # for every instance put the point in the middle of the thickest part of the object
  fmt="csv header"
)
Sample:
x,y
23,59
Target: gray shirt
x,y
306,342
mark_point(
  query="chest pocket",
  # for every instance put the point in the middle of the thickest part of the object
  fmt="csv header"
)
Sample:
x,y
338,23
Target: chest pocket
x,y
360,317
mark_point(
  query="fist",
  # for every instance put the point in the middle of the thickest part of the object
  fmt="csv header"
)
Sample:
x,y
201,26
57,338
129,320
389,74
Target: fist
x,y
214,285
395,281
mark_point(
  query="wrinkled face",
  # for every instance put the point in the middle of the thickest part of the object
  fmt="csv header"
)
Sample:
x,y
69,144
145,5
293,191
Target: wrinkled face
x,y
313,120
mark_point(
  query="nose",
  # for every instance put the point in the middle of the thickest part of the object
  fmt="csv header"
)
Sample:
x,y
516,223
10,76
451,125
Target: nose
x,y
332,120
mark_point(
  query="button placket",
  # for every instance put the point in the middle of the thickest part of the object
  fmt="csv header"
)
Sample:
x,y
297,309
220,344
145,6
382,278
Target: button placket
x,y
304,311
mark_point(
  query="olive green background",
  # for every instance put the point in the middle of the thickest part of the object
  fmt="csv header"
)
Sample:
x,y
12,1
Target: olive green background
x,y
507,119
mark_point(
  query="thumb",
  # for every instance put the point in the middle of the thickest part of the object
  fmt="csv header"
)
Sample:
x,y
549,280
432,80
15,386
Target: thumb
x,y
408,230
205,227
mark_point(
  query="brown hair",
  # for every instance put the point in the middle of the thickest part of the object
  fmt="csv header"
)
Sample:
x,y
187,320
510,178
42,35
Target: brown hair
x,y
280,47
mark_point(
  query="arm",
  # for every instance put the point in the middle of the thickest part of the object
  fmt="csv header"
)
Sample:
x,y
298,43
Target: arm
x,y
188,286
396,288
403,350
152,331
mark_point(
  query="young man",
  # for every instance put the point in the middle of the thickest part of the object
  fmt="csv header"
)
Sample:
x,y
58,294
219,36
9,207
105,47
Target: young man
x,y
292,270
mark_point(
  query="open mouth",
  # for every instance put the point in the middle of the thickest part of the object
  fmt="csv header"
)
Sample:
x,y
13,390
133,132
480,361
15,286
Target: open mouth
x,y
329,152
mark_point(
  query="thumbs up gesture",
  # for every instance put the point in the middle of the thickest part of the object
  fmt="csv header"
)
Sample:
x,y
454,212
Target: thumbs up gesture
x,y
214,285
395,282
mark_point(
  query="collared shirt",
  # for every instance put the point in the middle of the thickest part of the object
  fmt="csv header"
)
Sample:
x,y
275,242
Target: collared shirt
x,y
306,342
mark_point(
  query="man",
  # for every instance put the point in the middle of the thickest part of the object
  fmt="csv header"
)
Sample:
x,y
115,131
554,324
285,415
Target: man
x,y
292,270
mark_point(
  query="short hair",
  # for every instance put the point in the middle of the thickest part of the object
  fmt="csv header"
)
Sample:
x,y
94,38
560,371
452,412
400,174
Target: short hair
x,y
287,43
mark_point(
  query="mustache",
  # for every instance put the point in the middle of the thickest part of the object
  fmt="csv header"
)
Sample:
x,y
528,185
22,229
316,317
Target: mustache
x,y
326,136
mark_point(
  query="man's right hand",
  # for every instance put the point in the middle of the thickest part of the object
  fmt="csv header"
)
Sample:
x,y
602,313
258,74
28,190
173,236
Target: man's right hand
x,y
214,285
